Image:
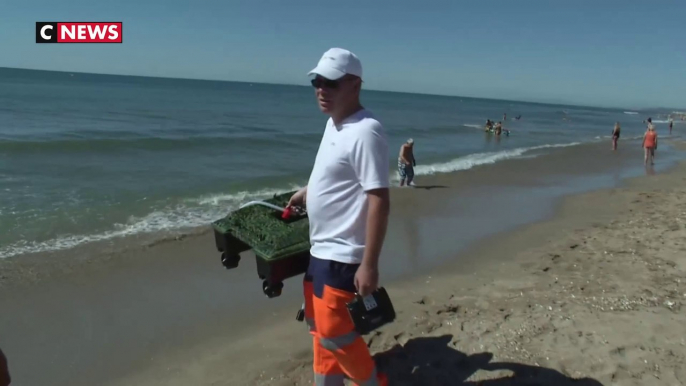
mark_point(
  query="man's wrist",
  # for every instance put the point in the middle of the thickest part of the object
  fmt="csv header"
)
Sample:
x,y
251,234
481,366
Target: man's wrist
x,y
370,262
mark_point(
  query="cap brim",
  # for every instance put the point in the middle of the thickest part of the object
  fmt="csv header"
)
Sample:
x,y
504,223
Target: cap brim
x,y
327,72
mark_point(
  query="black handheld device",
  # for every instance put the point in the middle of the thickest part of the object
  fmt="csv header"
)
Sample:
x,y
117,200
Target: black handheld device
x,y
371,312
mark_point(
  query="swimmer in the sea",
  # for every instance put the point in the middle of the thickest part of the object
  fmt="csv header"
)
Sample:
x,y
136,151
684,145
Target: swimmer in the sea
x,y
498,128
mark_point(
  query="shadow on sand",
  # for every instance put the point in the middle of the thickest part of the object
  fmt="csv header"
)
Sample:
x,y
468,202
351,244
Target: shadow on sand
x,y
431,361
429,187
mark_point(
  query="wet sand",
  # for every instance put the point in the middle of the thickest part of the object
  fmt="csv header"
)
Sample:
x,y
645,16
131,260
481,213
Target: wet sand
x,y
529,301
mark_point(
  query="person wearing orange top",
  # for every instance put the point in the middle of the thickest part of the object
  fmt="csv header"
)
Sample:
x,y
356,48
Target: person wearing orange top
x,y
650,144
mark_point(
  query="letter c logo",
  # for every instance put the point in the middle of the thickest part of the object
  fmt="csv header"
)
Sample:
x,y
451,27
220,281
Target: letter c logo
x,y
42,32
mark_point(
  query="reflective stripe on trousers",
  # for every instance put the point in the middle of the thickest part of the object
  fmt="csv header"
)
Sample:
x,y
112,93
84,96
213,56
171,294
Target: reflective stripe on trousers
x,y
310,324
339,380
329,380
339,351
339,342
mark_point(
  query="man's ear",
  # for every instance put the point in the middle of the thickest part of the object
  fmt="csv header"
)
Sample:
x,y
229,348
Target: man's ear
x,y
358,83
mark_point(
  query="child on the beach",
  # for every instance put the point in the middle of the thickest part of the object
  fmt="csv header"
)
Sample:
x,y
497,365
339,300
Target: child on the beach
x,y
615,135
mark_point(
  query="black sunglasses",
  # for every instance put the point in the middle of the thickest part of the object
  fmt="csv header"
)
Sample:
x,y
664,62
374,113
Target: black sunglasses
x,y
325,83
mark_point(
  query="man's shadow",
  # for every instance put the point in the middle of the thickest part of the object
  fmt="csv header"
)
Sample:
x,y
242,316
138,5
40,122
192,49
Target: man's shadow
x,y
429,187
431,361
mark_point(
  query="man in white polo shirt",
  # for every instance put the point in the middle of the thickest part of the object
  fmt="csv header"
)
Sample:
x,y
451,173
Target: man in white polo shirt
x,y
348,204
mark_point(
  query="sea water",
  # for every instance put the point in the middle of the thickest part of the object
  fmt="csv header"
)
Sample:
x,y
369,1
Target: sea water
x,y
88,157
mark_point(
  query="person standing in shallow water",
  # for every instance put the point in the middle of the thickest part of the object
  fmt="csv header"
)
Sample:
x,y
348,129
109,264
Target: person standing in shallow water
x,y
498,128
615,135
650,144
406,163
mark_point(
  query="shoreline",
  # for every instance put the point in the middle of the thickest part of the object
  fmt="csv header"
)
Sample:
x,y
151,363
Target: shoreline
x,y
33,267
174,300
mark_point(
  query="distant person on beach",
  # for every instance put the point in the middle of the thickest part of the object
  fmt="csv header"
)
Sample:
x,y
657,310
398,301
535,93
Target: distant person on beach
x,y
5,378
406,163
615,135
348,204
671,124
650,144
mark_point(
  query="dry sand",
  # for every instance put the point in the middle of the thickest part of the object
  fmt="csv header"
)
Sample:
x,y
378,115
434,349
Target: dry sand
x,y
593,296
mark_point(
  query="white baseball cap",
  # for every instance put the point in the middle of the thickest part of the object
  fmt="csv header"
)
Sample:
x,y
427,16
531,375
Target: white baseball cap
x,y
336,62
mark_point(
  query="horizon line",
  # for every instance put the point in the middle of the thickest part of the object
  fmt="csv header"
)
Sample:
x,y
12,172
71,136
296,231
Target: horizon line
x,y
374,90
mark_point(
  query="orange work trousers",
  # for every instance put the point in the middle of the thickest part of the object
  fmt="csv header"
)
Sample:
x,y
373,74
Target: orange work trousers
x,y
339,351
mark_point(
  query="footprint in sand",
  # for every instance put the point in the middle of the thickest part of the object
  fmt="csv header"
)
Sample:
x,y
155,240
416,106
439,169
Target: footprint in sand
x,y
448,309
619,351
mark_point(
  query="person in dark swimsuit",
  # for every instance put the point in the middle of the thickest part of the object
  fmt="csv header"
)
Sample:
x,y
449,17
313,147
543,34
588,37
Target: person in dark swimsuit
x,y
489,125
615,135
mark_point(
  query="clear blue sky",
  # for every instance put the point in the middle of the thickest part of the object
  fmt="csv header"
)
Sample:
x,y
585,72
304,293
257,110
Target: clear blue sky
x,y
601,52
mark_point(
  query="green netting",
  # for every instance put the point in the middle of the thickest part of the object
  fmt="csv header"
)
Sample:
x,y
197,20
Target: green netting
x,y
263,230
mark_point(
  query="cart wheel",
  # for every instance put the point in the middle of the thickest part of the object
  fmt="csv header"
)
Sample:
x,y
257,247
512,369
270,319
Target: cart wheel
x,y
230,261
272,290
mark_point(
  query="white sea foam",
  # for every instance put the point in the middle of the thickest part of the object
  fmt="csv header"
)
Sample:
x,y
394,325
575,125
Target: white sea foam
x,y
630,112
189,214
473,126
473,160
201,211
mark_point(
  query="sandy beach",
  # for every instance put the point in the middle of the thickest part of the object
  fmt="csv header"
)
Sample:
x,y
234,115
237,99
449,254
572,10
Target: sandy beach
x,y
591,295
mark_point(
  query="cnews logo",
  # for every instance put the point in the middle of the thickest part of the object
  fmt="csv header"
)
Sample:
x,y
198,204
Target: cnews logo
x,y
78,32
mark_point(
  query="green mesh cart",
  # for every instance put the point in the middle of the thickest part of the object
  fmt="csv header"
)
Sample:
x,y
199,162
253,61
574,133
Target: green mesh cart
x,y
281,246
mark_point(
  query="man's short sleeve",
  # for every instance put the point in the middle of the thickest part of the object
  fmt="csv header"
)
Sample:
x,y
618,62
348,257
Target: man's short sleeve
x,y
370,157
